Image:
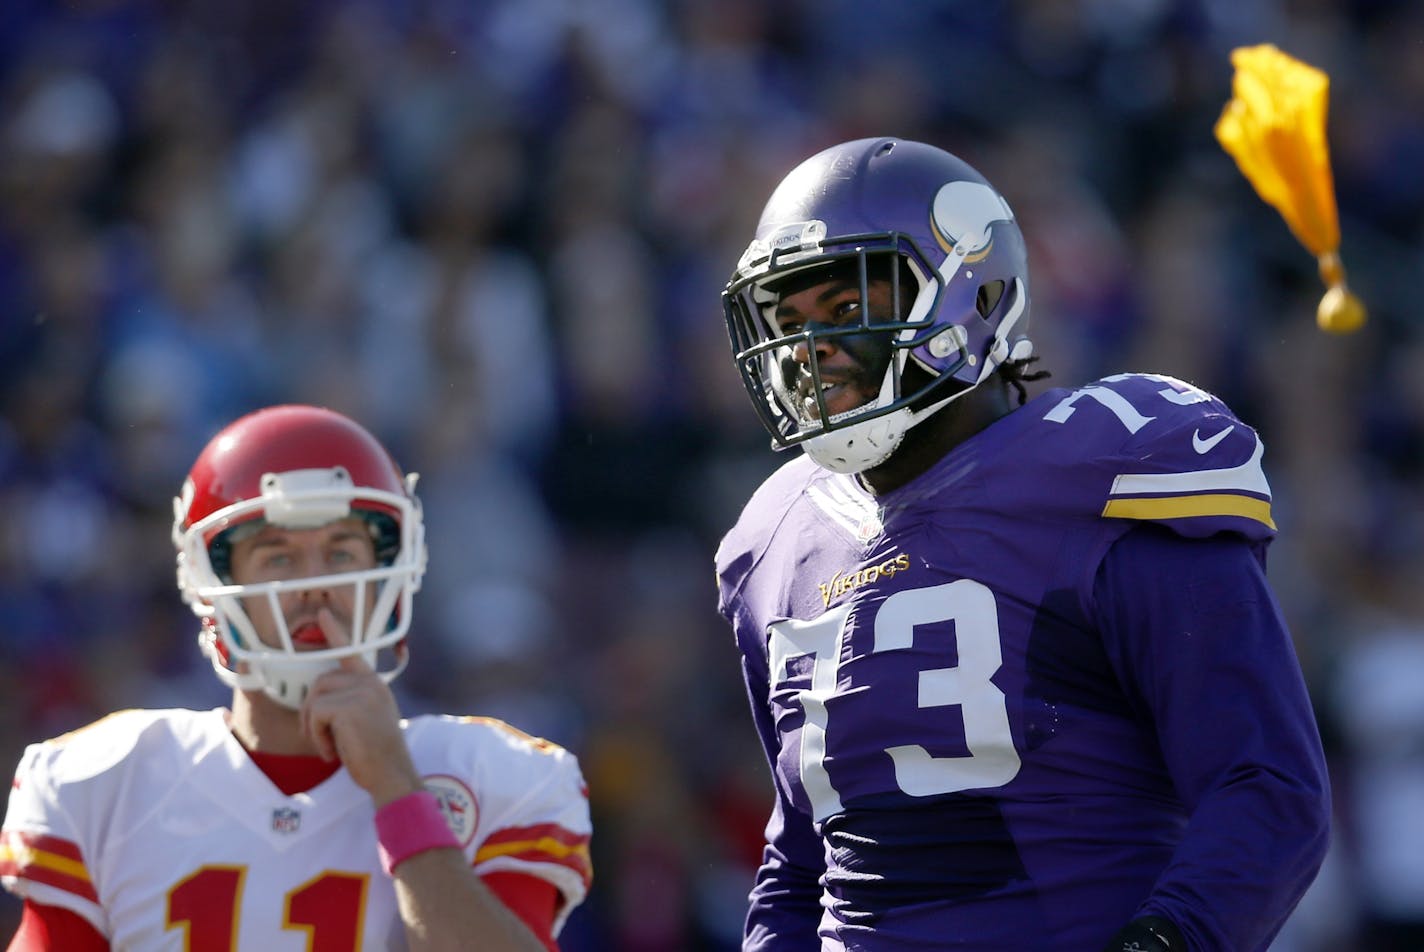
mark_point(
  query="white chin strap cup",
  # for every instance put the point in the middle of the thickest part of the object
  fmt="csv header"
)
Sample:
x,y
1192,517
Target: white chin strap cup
x,y
860,446
289,681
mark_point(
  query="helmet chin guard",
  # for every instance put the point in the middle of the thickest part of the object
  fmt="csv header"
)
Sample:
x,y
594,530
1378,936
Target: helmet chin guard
x,y
286,680
862,445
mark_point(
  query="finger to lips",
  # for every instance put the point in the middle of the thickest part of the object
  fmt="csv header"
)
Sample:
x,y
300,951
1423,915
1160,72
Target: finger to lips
x,y
316,718
336,634
338,637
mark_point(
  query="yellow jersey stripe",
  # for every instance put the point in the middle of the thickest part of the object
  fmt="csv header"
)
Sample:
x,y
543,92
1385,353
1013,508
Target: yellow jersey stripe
x,y
25,857
546,844
1180,507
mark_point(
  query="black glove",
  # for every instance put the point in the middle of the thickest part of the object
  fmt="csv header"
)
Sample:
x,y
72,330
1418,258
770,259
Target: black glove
x,y
1147,934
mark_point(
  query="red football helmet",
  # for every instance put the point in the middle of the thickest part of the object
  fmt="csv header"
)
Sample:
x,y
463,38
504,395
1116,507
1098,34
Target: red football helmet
x,y
297,467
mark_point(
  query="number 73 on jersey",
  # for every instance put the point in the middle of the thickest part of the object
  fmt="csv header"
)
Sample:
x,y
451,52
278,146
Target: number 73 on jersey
x,y
992,760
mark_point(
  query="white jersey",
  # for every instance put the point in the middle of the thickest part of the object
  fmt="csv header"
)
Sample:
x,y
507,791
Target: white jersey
x,y
157,827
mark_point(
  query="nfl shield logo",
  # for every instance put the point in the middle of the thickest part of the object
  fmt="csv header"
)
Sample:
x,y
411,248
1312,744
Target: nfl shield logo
x,y
285,820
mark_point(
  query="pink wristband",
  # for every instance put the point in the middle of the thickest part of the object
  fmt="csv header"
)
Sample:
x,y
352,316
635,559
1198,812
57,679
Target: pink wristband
x,y
410,825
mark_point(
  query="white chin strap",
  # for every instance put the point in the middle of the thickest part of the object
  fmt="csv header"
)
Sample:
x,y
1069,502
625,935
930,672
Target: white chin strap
x,y
860,446
286,680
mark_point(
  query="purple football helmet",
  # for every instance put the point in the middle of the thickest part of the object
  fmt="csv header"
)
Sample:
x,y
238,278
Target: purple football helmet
x,y
962,258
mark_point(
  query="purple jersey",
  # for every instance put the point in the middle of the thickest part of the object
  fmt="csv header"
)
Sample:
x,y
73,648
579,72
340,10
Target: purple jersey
x,y
1037,691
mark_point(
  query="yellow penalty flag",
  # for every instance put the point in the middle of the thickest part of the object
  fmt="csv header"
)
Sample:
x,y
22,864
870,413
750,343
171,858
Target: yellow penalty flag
x,y
1274,127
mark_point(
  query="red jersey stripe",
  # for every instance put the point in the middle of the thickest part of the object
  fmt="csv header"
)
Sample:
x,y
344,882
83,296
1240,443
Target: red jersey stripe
x,y
544,843
45,859
541,831
40,841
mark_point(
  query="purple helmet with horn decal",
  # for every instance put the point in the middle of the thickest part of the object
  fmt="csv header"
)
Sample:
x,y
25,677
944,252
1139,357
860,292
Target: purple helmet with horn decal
x,y
959,291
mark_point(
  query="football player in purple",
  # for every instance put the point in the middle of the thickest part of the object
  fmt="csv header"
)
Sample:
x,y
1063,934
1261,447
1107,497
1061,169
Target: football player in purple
x,y
1019,674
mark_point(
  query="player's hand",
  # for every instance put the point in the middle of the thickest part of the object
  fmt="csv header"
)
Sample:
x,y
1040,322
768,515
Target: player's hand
x,y
352,715
1147,934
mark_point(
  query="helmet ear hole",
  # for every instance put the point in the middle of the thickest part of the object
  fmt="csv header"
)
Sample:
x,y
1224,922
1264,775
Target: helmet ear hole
x,y
988,298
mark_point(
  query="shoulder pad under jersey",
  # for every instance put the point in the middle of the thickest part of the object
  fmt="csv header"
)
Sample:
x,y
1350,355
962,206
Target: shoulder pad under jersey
x,y
747,540
102,745
1174,455
520,799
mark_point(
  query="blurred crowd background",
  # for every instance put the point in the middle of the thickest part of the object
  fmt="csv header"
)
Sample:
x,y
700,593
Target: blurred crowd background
x,y
496,231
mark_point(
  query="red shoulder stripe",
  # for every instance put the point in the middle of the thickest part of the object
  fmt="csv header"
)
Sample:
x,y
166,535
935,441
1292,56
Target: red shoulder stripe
x,y
551,831
543,843
45,859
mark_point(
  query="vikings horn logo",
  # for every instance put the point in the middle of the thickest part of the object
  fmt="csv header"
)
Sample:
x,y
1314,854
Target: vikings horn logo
x,y
963,216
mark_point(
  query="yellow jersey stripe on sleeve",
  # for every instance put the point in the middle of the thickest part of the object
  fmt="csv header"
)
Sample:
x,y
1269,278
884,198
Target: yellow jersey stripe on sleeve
x,y
1186,507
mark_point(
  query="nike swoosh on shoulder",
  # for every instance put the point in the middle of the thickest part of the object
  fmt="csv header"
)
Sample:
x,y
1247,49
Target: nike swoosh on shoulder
x,y
1205,445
